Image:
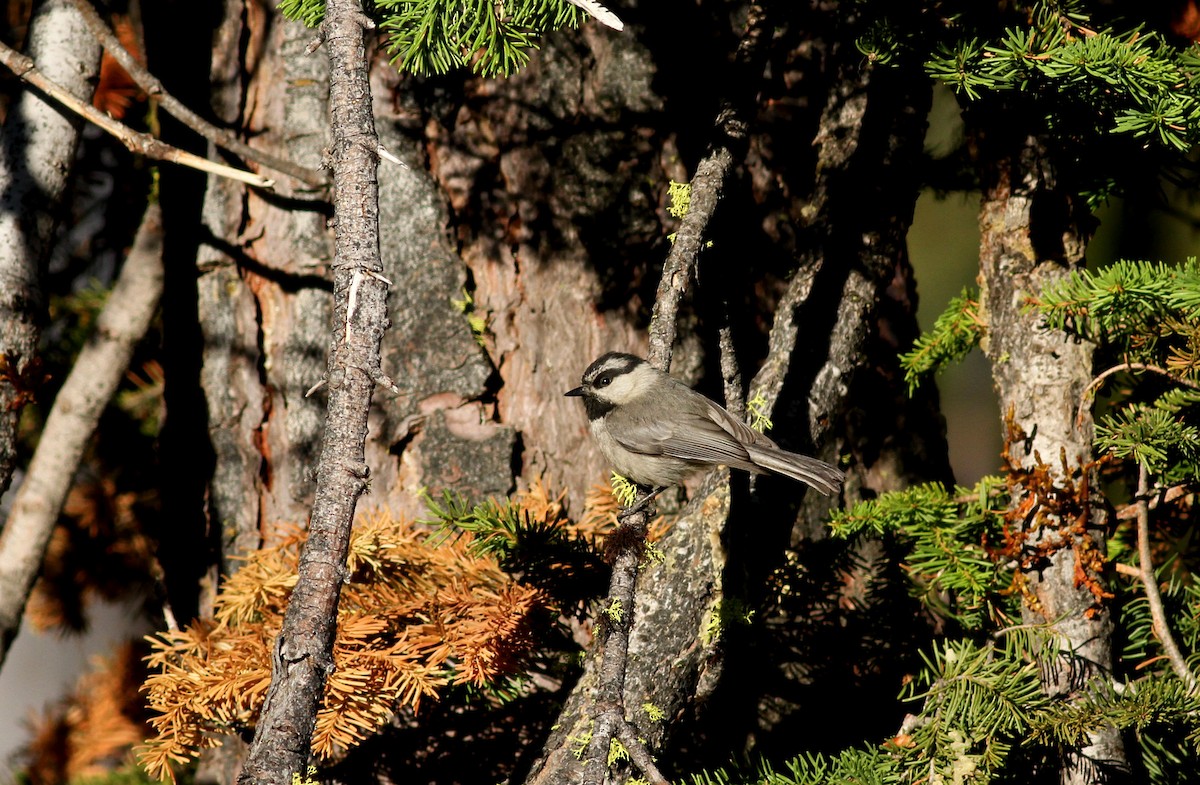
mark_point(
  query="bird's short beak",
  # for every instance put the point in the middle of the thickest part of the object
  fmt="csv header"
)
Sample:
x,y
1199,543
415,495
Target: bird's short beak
x,y
574,393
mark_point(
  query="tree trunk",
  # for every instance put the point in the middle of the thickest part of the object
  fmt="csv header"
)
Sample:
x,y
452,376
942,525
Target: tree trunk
x,y
1035,229
37,155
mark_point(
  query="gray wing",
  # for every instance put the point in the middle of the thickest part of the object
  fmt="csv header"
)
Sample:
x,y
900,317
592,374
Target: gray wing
x,y
700,431
696,430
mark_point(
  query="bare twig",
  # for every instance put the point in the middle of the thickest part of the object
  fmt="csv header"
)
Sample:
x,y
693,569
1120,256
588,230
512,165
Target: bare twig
x,y
154,88
1165,496
1127,570
731,374
77,408
136,141
1090,390
712,173
1150,583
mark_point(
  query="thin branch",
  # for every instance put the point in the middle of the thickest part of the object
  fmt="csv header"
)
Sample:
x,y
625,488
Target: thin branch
x,y
85,393
609,716
731,374
304,649
1165,496
1090,390
154,88
707,185
1127,570
135,141
1150,583
640,756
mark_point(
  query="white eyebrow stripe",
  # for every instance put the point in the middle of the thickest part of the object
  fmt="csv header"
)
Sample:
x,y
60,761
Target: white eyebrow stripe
x,y
616,366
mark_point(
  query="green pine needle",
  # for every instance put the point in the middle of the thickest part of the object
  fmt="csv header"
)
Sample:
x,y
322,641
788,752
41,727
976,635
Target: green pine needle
x,y
437,36
957,331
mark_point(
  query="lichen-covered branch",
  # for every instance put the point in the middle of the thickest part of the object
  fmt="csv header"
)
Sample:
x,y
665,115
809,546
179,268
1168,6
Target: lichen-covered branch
x,y
605,716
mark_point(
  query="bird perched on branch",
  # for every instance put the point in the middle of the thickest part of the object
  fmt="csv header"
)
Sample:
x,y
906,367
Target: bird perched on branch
x,y
656,431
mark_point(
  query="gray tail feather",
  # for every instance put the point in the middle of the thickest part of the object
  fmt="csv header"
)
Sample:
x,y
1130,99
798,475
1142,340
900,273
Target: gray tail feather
x,y
810,471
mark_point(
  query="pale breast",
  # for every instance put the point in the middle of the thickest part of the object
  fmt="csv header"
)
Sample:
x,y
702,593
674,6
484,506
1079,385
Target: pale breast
x,y
650,470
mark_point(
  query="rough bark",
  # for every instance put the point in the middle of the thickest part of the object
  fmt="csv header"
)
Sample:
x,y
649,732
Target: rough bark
x,y
439,432
303,650
263,301
553,177
263,291
1034,233
856,266
37,155
72,420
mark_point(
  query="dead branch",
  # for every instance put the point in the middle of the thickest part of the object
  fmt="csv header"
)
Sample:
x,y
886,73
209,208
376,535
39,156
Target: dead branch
x,y
303,651
84,395
135,141
1150,583
1094,385
154,88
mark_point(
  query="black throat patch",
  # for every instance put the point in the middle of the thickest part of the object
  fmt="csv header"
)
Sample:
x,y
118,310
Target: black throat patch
x,y
596,407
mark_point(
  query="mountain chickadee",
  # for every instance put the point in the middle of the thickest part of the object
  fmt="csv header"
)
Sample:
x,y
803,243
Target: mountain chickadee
x,y
655,430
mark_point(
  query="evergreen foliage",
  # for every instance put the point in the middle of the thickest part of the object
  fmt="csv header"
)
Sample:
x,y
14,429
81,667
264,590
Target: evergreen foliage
x,y
951,539
978,701
421,617
955,333
1083,74
1146,318
437,36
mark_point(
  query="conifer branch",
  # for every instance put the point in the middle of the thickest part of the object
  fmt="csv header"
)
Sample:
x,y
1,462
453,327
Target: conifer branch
x,y
957,331
1162,627
434,37
1086,396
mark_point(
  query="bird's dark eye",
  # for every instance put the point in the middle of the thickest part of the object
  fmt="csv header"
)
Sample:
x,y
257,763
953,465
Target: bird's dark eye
x,y
604,381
